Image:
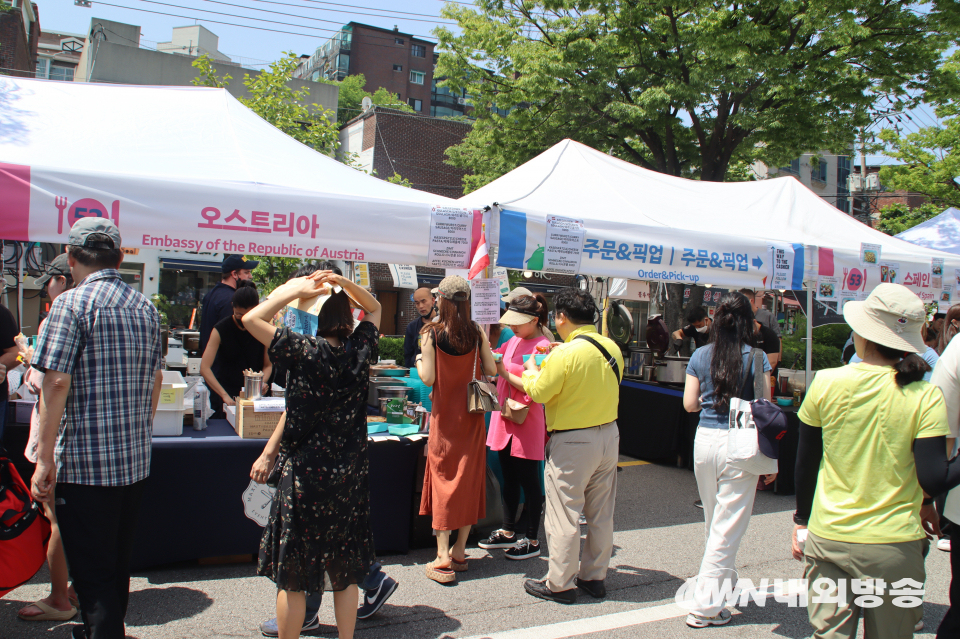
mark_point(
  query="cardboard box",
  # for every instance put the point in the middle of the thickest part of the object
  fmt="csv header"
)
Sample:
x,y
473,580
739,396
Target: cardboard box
x,y
252,425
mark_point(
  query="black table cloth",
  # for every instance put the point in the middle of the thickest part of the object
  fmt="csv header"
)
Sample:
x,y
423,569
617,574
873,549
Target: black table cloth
x,y
655,427
192,504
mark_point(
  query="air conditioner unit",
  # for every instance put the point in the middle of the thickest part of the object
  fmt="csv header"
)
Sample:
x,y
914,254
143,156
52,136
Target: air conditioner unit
x,y
854,183
461,101
873,182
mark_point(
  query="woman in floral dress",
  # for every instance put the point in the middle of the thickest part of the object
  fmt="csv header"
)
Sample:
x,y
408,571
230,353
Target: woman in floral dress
x,y
318,536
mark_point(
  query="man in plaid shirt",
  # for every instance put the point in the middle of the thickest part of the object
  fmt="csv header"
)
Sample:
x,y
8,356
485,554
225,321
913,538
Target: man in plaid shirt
x,y
100,349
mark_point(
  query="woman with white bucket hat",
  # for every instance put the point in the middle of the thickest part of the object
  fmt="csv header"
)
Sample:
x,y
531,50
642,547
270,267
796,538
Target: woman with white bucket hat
x,y
872,447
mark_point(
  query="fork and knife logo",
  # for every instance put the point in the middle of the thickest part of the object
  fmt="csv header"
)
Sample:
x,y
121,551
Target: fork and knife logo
x,y
86,207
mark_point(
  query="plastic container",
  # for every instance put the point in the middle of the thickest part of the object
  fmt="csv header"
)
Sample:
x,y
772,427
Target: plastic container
x,y
200,398
168,423
403,430
171,391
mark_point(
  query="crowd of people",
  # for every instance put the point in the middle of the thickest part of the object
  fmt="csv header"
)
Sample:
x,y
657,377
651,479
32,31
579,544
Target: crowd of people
x,y
555,436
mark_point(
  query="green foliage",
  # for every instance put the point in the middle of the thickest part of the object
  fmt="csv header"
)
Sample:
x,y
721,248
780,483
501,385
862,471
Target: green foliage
x,y
828,344
396,178
163,306
897,218
931,157
352,93
282,106
272,271
392,348
686,88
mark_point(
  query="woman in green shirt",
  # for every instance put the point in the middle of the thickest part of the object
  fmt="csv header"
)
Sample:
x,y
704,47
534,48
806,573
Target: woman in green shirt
x,y
872,440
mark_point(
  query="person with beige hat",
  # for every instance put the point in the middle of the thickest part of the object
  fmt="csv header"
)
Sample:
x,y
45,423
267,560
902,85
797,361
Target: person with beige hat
x,y
872,446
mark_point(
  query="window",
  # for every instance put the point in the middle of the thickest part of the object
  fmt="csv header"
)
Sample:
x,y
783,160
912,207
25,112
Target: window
x,y
416,104
61,73
43,65
819,172
843,171
398,67
343,62
418,50
398,40
416,77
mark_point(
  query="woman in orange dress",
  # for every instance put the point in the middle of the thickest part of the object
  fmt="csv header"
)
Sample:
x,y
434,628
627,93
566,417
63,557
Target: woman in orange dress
x,y
453,351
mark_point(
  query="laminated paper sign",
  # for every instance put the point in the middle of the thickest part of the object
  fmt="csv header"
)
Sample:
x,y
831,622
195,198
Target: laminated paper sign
x,y
781,266
450,235
563,246
889,272
500,273
361,274
485,300
936,270
869,254
404,275
828,288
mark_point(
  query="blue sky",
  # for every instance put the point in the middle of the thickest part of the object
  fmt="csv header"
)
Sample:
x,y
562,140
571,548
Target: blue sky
x,y
317,20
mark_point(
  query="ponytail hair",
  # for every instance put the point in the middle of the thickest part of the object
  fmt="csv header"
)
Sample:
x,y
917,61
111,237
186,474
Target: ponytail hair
x,y
529,304
911,367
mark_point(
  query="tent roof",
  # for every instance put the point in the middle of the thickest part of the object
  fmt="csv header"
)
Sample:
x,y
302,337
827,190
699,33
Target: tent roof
x,y
575,180
941,233
189,133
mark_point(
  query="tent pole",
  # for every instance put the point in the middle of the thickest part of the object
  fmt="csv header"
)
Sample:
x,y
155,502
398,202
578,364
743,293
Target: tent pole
x,y
808,378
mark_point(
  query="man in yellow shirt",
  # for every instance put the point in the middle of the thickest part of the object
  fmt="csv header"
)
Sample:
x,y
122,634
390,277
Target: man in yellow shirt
x,y
579,386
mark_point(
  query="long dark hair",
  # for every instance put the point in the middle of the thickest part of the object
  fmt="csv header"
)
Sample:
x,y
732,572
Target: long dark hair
x,y
732,328
336,317
910,368
455,324
528,304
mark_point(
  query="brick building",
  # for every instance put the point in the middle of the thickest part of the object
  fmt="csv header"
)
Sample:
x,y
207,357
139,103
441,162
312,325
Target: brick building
x,y
58,55
388,141
873,201
19,37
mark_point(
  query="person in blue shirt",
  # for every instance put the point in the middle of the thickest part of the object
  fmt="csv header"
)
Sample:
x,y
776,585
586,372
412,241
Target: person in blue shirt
x,y
427,311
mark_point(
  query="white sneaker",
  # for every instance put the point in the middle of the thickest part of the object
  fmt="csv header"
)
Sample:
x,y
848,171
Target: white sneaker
x,y
583,520
943,544
700,621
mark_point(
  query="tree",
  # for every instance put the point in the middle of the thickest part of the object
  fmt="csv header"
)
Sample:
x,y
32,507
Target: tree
x,y
931,156
279,104
684,87
897,218
352,93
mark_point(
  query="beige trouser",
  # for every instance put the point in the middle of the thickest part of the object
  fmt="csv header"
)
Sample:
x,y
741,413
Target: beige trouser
x,y
580,477
846,561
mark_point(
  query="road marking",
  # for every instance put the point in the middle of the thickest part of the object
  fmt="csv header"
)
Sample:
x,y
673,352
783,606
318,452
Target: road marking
x,y
631,463
614,621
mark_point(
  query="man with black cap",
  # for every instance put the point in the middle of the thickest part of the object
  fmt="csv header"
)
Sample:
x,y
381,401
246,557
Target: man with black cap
x,y
100,351
217,303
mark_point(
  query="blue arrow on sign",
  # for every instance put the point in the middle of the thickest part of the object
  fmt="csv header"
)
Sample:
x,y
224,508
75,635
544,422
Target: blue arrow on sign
x,y
757,262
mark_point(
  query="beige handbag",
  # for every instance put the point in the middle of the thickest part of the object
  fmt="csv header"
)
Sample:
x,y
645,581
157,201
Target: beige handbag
x,y
514,410
481,394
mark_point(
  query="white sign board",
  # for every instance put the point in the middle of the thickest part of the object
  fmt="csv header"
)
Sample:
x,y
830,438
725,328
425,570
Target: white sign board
x,y
563,245
485,300
270,405
622,289
256,502
450,234
404,275
781,266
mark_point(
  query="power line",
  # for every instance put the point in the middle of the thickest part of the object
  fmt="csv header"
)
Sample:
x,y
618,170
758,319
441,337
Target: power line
x,y
360,13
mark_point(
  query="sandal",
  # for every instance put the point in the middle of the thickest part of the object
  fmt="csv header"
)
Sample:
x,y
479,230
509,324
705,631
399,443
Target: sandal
x,y
49,613
459,566
440,574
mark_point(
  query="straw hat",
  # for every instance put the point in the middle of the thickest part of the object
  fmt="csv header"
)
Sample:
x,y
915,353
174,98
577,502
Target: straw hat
x,y
454,288
515,293
891,316
516,317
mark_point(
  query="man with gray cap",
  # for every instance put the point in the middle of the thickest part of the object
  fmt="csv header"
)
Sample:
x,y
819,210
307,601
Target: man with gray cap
x,y
100,350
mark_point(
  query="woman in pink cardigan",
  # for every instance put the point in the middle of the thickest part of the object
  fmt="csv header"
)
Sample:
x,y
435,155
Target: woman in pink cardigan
x,y
519,445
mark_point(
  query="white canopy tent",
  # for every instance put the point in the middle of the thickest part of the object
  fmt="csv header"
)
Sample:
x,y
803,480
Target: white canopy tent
x,y
629,210
941,233
190,168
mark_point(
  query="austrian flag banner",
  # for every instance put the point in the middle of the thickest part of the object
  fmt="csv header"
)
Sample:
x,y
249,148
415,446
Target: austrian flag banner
x,y
481,259
151,212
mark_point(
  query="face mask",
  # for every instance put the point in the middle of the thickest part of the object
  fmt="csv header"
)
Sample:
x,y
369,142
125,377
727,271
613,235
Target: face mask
x,y
702,329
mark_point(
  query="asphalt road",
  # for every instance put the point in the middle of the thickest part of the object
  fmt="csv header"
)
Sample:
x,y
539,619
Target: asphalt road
x,y
659,542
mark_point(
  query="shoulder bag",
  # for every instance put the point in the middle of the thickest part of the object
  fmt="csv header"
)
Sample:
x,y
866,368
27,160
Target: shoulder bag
x,y
743,446
481,393
513,410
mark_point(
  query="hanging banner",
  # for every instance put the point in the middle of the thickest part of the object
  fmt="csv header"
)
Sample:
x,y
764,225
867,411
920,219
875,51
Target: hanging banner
x,y
485,300
784,275
451,229
361,274
621,289
563,245
404,275
645,254
500,274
